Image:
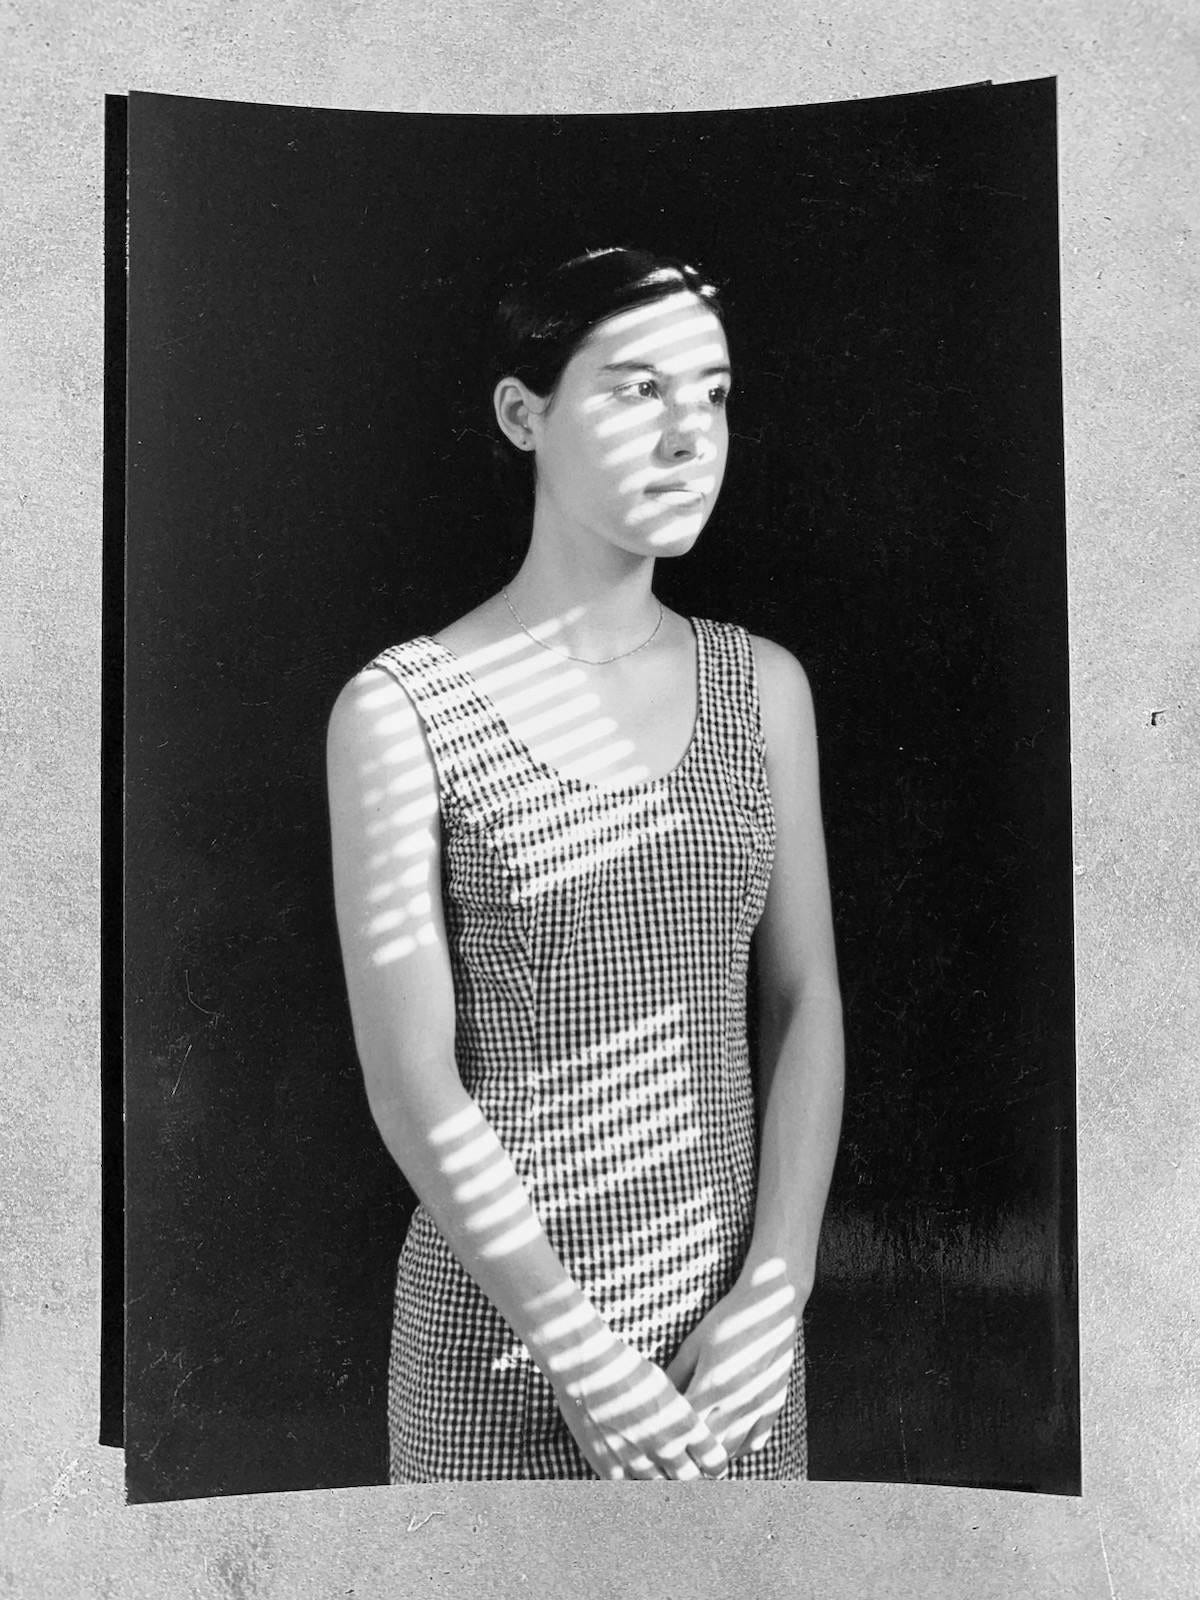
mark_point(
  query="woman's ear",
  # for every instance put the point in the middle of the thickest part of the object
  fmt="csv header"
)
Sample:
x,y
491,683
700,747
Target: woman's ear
x,y
516,410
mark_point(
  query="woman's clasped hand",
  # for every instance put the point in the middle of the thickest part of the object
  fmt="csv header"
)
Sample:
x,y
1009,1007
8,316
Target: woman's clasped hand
x,y
630,1421
717,1399
624,1413
734,1367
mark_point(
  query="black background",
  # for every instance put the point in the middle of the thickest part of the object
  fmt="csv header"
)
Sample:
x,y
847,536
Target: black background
x,y
307,482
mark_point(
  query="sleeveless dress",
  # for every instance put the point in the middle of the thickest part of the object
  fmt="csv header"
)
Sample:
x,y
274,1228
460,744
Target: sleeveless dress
x,y
599,940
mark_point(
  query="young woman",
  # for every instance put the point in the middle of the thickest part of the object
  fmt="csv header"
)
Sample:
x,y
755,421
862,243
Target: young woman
x,y
556,825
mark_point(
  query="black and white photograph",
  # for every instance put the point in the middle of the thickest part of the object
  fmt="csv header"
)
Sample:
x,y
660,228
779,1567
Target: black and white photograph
x,y
595,866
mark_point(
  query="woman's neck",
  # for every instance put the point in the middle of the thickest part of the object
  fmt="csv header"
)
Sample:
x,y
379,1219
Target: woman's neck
x,y
588,601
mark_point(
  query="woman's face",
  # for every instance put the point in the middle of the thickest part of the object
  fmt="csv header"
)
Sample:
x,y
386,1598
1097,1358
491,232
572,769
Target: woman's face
x,y
632,445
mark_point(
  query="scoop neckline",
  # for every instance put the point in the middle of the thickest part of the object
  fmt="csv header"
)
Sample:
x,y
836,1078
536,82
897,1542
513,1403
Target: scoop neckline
x,y
585,785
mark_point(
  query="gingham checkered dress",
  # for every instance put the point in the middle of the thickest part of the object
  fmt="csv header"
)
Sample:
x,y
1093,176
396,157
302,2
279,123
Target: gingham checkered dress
x,y
599,940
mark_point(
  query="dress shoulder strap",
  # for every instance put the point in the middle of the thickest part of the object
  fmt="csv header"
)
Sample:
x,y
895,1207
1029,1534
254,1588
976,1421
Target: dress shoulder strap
x,y
420,670
480,766
465,738
731,678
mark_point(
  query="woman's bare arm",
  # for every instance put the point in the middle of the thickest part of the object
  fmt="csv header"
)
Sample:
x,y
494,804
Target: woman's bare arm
x,y
734,1366
384,812
800,1048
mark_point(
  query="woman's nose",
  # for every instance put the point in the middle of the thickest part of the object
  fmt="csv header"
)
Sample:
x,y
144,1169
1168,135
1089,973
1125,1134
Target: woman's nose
x,y
683,437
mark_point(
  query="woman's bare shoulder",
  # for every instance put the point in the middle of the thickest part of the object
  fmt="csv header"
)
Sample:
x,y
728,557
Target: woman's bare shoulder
x,y
780,673
784,695
375,706
373,709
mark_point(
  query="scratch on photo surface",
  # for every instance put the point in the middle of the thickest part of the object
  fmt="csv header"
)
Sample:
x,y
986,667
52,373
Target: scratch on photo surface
x,y
1104,1552
190,1373
182,1064
415,1522
187,984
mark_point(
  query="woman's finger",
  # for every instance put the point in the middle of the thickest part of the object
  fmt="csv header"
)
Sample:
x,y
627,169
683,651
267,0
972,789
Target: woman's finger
x,y
733,1432
747,1429
675,1462
687,1448
760,1435
709,1454
682,1365
639,1465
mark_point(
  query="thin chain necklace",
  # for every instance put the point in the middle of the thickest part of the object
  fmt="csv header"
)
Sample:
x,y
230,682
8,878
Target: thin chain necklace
x,y
586,660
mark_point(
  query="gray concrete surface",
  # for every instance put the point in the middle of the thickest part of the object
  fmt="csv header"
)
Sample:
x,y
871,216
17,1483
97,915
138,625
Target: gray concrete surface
x,y
1129,85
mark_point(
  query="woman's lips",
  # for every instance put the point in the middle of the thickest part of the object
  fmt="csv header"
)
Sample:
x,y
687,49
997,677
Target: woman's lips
x,y
680,492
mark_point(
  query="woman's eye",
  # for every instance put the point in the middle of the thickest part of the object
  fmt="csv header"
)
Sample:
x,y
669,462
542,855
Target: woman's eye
x,y
640,389
648,389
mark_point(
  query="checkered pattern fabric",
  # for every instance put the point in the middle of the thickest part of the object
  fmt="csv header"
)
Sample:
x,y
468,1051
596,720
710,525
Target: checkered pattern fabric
x,y
599,940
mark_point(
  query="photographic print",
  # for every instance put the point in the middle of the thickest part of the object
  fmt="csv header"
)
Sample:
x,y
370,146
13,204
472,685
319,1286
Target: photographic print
x,y
672,504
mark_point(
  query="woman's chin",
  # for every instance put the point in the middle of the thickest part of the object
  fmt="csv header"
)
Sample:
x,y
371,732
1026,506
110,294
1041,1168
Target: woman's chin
x,y
673,536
